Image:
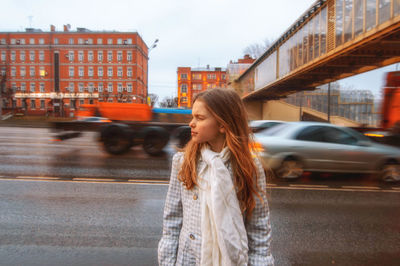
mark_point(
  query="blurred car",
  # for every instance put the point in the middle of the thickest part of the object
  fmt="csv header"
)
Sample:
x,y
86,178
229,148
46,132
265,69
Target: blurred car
x,y
93,119
259,125
290,149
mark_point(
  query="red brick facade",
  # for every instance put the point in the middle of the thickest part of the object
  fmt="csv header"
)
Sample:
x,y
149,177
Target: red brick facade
x,y
191,81
52,73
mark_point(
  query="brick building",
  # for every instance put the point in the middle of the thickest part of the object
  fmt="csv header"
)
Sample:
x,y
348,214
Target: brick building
x,y
52,73
194,80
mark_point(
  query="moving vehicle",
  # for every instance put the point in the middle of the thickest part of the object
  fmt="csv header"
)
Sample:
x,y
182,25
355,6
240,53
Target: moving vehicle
x,y
123,125
290,149
259,125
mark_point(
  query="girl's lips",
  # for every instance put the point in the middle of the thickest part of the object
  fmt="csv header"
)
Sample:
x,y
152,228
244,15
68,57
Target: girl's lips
x,y
193,133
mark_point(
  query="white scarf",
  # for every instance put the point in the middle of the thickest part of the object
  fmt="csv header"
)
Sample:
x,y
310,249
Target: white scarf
x,y
224,237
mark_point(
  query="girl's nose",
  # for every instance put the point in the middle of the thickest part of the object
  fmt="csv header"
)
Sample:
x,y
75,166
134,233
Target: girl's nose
x,y
191,124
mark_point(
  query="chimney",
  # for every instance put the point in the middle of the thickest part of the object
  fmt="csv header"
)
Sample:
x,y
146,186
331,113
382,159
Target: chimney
x,y
66,28
208,66
52,28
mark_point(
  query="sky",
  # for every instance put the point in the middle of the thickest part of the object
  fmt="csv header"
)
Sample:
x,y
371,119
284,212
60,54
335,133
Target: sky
x,y
190,33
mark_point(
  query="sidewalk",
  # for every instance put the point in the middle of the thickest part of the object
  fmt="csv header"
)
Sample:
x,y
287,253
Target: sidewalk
x,y
31,121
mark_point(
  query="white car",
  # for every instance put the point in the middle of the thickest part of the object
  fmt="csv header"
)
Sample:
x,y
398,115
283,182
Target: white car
x,y
294,147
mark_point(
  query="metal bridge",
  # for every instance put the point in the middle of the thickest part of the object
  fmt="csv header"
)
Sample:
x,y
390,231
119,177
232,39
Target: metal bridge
x,y
333,39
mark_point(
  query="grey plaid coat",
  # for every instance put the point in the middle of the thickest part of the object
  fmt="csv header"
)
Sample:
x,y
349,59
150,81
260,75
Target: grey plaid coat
x,y
181,240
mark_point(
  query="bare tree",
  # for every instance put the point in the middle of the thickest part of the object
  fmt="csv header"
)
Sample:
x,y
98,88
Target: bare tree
x,y
169,102
153,99
256,50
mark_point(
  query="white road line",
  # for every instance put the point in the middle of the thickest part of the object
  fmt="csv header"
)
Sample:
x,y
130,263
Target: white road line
x,y
38,177
93,179
339,189
306,186
360,187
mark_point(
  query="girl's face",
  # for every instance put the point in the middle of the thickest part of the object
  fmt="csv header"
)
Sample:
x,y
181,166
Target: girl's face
x,y
205,127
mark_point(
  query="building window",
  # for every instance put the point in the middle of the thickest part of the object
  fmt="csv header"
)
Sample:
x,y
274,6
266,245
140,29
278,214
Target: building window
x,y
211,76
22,56
119,41
71,71
23,86
129,87
100,56
100,86
3,71
90,87
13,72
33,104
129,56
3,41
41,55
12,55
183,76
90,56
196,76
119,72
197,87
14,86
129,72
90,41
110,87
183,88
119,55
119,87
73,103
110,100
71,87
32,71
80,72
109,56
99,41
13,41
223,76
109,72
81,101
41,41
80,87
80,41
55,40
100,71
31,41
22,41
41,87
129,41
71,41
42,102
42,71
3,55
90,72
110,41
71,55
22,72
32,87
80,56
184,99
32,55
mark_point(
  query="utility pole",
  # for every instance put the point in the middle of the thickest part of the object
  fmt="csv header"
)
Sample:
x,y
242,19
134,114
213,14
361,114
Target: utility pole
x,y
154,45
329,102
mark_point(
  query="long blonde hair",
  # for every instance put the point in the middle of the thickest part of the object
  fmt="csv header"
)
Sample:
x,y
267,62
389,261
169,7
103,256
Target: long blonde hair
x,y
229,111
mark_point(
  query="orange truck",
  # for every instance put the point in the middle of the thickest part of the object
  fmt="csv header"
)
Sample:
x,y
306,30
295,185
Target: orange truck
x,y
389,131
123,125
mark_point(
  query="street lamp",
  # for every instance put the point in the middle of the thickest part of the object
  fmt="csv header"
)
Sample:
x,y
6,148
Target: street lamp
x,y
154,45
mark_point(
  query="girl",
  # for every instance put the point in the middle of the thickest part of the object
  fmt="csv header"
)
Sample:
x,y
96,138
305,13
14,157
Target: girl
x,y
216,212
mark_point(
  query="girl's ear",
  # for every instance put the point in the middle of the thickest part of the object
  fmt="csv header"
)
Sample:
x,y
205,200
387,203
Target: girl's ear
x,y
222,129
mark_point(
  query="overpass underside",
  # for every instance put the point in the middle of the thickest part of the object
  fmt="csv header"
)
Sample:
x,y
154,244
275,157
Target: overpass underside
x,y
333,40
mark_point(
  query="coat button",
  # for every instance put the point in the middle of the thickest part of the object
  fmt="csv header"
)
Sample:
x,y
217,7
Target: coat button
x,y
192,237
195,196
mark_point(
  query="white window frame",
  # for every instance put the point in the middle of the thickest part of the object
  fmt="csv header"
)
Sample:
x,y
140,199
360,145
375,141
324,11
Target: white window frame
x,y
23,86
13,71
71,41
71,87
81,87
119,87
3,55
100,86
41,41
71,71
22,56
100,56
32,41
109,56
41,55
80,56
119,56
110,87
129,56
32,71
32,55
100,72
109,72
119,71
32,87
81,71
33,104
13,55
42,104
129,87
129,72
41,87
90,87
90,56
90,71
109,41
184,88
22,72
71,55
99,41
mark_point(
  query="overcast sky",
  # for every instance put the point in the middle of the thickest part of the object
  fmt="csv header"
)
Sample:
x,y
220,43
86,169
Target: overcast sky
x,y
190,33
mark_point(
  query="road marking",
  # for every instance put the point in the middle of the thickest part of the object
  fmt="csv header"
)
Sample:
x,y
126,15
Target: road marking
x,y
360,187
340,189
38,177
397,188
93,179
311,186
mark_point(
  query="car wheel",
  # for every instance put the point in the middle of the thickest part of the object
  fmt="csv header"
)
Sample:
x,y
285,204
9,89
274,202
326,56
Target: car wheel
x,y
289,169
390,172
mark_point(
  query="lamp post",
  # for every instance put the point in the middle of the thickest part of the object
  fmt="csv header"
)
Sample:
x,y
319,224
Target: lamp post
x,y
154,45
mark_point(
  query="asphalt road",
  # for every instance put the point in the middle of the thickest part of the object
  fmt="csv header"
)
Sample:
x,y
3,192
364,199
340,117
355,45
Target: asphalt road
x,y
119,223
